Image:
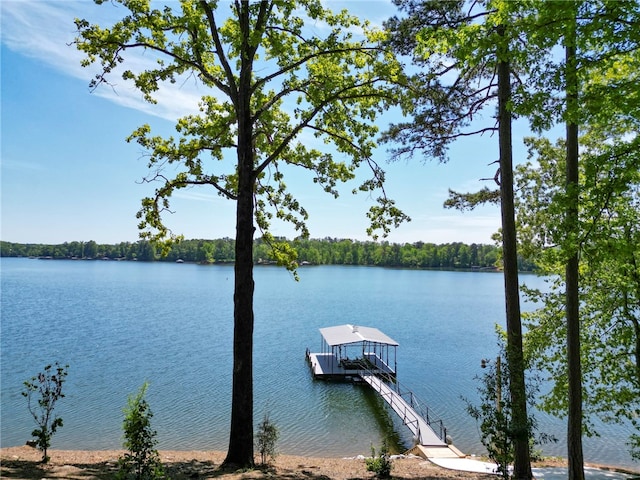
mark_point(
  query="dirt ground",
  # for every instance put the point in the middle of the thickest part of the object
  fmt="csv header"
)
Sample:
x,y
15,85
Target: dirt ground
x,y
24,463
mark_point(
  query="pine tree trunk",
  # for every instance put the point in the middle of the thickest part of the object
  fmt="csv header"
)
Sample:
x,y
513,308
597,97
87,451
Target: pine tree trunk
x,y
515,359
574,370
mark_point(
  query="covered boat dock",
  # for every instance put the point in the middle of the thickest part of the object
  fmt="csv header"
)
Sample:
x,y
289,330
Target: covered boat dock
x,y
347,350
365,354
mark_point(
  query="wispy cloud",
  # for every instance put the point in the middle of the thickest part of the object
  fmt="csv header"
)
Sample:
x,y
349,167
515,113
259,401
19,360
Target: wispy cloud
x,y
11,164
45,31
198,196
41,30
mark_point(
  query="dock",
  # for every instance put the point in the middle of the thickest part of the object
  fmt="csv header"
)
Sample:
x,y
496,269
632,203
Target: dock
x,y
348,349
421,428
367,355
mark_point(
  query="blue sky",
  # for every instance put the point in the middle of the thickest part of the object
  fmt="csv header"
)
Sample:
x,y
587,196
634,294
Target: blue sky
x,y
68,174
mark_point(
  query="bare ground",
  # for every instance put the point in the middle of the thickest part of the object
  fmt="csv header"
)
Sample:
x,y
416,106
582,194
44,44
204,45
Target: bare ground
x,y
23,462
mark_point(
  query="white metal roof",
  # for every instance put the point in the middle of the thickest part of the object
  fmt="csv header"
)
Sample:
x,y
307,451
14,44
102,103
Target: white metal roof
x,y
343,334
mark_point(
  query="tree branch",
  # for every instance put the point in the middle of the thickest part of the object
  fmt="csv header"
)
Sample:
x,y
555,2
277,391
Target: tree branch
x,y
233,88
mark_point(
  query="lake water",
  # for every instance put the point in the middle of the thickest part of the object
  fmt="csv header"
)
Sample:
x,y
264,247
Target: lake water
x,y
119,324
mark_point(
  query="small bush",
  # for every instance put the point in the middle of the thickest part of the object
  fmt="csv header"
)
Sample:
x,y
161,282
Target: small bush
x,y
142,461
48,386
266,439
494,414
380,464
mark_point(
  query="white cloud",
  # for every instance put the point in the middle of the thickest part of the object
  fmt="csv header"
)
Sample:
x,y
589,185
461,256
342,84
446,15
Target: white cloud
x,y
45,31
39,29
173,103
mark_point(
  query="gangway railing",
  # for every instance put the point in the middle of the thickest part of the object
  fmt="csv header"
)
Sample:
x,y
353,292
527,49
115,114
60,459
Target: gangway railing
x,y
418,406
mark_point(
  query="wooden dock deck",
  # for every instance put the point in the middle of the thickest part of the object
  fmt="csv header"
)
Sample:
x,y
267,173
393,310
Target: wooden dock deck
x,y
328,366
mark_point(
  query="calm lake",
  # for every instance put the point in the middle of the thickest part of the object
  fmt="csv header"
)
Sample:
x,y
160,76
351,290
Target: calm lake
x,y
119,324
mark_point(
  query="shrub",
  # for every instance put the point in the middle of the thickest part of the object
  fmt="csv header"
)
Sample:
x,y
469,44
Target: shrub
x,y
266,439
142,461
494,414
48,386
380,464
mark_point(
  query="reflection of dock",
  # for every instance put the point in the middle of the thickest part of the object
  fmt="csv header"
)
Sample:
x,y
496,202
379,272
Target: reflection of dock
x,y
365,354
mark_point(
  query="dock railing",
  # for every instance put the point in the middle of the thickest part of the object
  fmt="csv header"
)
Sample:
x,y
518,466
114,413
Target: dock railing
x,y
411,398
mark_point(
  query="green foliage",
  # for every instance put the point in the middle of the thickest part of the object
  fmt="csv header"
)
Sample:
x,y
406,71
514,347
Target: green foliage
x,y
634,446
606,42
141,461
333,86
266,439
380,463
469,201
494,413
608,235
47,386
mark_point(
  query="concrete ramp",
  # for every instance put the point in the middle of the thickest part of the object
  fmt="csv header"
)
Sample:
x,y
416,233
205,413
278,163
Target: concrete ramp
x,y
428,453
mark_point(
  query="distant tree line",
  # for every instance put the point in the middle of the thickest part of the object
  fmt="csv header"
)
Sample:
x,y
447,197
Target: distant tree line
x,y
327,251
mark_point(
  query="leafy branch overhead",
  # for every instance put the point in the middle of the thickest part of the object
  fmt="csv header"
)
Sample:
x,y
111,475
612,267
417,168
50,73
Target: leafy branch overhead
x,y
469,201
303,91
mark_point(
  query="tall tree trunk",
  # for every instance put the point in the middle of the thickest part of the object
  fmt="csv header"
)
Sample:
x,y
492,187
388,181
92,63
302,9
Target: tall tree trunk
x,y
574,366
515,358
240,451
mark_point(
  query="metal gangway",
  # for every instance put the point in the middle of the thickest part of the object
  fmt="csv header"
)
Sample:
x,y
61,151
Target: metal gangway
x,y
413,413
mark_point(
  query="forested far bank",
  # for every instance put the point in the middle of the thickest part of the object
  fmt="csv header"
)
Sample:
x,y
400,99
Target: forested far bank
x,y
327,251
